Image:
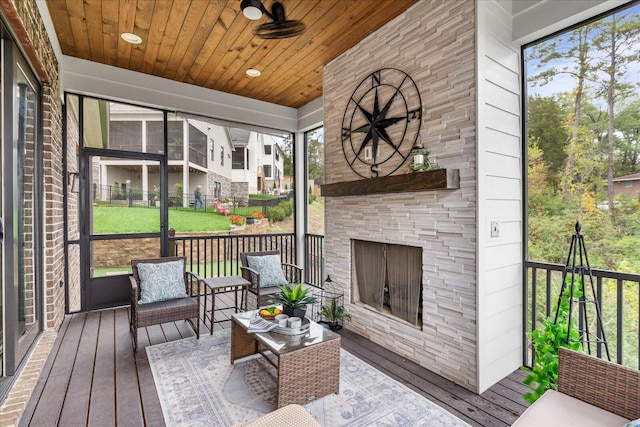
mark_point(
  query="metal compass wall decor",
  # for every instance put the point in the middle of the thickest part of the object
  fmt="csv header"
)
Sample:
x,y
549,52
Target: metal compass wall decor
x,y
381,123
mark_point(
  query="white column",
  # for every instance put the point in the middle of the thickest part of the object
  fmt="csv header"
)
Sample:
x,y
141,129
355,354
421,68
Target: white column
x,y
145,181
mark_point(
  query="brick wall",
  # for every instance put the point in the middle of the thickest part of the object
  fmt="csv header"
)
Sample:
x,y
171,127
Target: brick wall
x,y
434,42
25,22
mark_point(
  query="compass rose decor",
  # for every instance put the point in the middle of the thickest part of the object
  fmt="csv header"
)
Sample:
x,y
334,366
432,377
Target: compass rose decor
x,y
381,122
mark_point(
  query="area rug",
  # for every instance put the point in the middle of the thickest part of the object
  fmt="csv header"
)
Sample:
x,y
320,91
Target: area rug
x,y
197,386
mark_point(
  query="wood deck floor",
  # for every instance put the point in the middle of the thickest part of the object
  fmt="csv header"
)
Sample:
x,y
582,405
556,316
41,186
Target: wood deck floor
x,y
93,377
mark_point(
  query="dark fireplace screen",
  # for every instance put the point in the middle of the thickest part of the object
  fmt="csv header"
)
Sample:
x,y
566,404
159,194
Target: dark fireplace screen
x,y
389,278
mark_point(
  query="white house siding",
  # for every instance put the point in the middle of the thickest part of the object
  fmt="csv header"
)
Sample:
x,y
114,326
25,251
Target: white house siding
x,y
434,42
499,259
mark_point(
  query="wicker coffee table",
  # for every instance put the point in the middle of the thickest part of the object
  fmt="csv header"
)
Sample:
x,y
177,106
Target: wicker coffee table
x,y
308,365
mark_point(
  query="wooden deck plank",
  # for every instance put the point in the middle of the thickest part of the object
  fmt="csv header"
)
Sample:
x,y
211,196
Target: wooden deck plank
x,y
435,394
128,399
132,395
152,411
76,402
445,392
30,410
103,392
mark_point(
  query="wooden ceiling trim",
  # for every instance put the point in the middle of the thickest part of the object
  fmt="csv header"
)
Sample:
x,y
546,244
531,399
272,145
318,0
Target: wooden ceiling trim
x,y
237,28
127,18
229,66
110,33
61,23
79,29
301,59
209,43
186,37
151,47
201,38
93,12
316,19
234,77
179,10
224,22
141,27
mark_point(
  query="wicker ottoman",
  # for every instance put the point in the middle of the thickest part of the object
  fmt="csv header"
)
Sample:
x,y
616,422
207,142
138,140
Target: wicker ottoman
x,y
287,416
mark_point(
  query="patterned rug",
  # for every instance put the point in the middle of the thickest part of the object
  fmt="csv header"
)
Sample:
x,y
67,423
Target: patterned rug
x,y
198,387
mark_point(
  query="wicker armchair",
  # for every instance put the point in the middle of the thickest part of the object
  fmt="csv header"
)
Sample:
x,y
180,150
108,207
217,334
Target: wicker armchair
x,y
172,310
292,273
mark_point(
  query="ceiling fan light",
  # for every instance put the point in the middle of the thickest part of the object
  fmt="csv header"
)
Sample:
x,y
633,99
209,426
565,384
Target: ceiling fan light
x,y
252,9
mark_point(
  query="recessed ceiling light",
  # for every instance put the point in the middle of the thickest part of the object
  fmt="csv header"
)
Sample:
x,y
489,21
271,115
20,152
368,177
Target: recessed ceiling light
x,y
253,73
131,38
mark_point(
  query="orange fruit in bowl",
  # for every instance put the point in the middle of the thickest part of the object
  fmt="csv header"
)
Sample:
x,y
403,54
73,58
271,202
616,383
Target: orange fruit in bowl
x,y
277,311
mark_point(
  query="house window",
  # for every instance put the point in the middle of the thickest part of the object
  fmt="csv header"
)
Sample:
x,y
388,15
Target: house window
x,y
197,146
628,184
267,171
267,150
125,135
217,189
277,156
221,156
238,158
211,147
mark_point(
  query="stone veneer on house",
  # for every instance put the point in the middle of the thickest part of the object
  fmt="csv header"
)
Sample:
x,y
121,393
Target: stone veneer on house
x,y
434,42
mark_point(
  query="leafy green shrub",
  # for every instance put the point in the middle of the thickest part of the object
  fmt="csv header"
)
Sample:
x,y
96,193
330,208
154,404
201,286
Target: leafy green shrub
x,y
311,196
287,207
276,213
547,339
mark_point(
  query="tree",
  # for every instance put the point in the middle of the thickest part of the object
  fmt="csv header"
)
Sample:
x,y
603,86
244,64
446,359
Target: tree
x,y
627,124
546,128
315,160
566,55
287,158
617,41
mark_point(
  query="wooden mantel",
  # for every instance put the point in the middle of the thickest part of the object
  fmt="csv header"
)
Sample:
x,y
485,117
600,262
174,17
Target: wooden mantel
x,y
438,179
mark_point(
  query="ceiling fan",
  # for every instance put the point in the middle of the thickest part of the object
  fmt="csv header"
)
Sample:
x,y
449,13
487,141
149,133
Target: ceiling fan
x,y
278,28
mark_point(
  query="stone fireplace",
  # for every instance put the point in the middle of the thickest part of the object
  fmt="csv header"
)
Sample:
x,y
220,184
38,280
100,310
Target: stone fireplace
x,y
440,224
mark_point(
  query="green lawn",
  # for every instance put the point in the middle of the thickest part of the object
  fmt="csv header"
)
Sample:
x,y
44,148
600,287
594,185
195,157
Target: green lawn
x,y
204,270
116,220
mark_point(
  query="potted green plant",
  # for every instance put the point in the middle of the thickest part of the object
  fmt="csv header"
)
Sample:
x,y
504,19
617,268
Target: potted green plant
x,y
334,314
546,339
294,300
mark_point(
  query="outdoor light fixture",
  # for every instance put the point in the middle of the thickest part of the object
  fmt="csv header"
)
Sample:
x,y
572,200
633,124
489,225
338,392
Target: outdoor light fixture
x,y
253,73
73,182
131,38
252,9
279,28
421,160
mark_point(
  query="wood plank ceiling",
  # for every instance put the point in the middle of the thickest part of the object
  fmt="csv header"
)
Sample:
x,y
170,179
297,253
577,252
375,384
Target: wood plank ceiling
x,y
209,43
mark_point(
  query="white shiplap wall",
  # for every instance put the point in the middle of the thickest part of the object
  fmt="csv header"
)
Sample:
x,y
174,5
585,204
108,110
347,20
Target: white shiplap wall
x,y
499,162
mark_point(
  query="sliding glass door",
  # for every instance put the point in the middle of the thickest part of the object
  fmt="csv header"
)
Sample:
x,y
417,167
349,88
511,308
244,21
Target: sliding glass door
x,y
19,195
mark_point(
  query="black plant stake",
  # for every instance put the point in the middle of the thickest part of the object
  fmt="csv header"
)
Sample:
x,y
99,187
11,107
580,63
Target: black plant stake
x,y
578,266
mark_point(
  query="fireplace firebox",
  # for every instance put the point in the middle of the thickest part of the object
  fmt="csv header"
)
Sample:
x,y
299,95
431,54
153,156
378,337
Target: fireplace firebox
x,y
388,279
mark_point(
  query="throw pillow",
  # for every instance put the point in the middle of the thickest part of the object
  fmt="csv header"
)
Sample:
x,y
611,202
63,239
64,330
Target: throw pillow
x,y
270,270
160,282
634,423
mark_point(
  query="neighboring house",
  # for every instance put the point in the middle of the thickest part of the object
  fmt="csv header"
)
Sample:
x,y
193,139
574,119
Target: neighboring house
x,y
258,162
204,160
629,185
